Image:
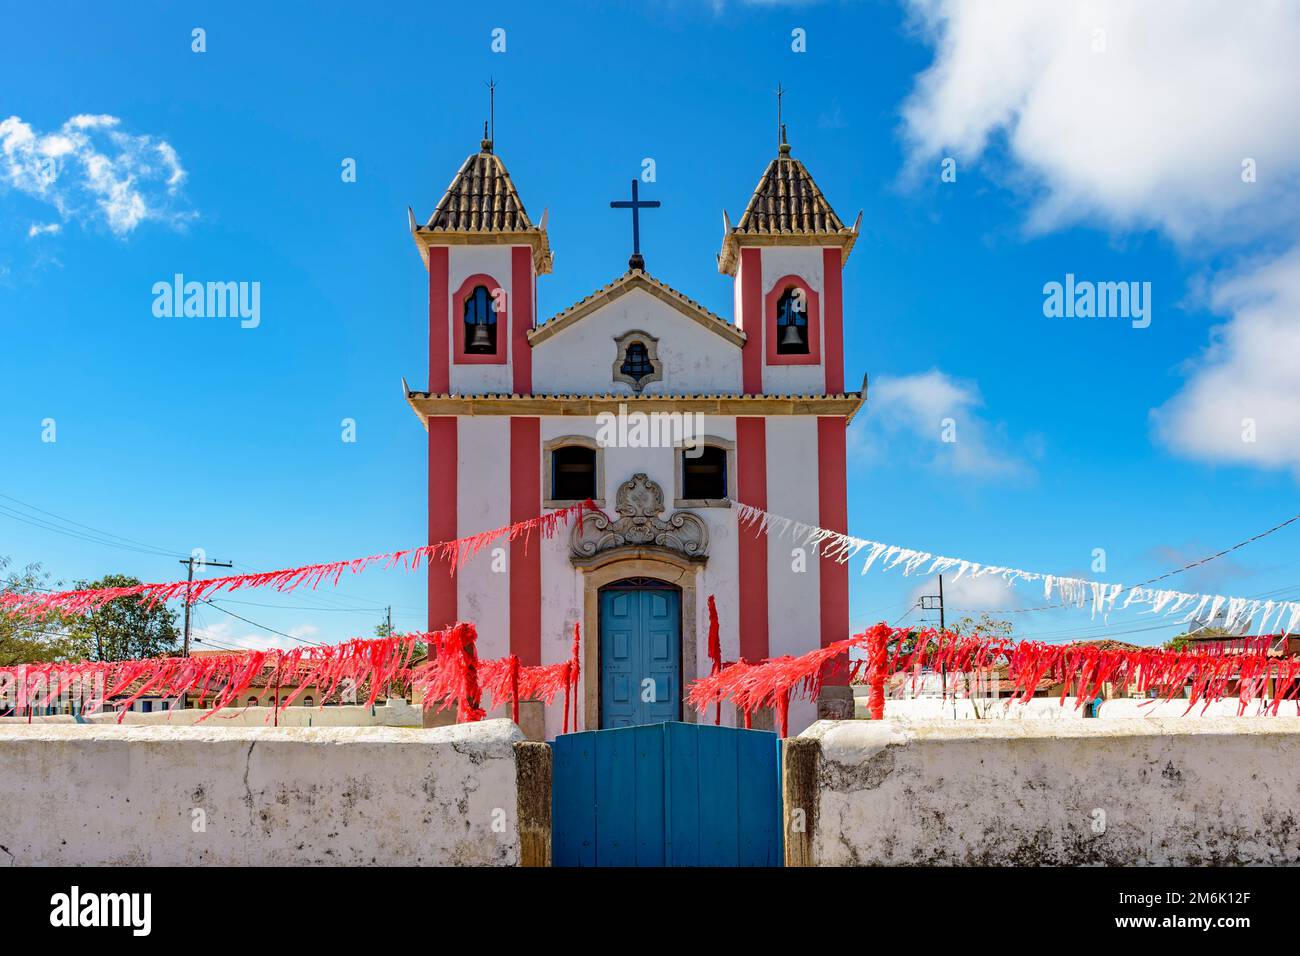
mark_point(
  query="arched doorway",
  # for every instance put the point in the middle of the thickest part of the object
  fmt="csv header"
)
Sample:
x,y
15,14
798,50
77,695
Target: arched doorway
x,y
639,652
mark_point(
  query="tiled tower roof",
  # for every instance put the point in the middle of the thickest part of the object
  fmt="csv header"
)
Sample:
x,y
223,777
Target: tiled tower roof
x,y
481,198
481,205
787,201
787,208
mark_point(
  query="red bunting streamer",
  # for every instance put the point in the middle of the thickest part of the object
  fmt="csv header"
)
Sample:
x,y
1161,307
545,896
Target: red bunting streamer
x,y
455,553
576,671
878,661
715,652
453,676
1204,675
219,679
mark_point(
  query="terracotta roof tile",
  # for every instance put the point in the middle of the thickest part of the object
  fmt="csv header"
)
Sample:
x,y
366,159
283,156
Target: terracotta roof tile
x,y
481,198
788,202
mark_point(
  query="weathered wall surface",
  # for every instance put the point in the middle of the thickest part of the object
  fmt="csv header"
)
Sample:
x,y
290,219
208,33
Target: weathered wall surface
x,y
136,795
1120,792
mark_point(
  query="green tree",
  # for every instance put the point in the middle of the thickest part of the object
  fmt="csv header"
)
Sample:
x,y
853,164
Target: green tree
x,y
985,627
1182,642
25,640
127,628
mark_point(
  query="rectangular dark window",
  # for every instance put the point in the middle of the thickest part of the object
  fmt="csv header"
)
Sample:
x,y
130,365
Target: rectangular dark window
x,y
705,476
573,473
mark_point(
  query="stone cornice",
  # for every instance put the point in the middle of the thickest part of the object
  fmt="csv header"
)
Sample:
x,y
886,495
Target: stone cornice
x,y
844,405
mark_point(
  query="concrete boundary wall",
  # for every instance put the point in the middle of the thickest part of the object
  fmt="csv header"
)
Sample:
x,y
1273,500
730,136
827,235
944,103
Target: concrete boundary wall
x,y
1144,791
171,795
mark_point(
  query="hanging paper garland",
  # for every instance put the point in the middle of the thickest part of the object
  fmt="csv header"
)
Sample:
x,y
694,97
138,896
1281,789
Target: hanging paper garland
x,y
1074,591
1030,664
455,553
453,676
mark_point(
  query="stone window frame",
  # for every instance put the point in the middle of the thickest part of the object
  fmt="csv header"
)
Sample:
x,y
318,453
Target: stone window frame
x,y
621,342
679,462
566,441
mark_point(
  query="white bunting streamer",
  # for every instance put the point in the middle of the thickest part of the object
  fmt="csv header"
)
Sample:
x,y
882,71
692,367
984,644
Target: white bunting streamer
x,y
1076,592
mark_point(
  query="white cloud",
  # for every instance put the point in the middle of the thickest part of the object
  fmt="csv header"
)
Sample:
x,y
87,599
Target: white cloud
x,y
1151,131
229,633
968,594
92,171
918,413
1247,384
44,229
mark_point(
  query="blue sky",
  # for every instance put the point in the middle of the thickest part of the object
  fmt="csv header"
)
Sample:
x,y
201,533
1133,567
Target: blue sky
x,y
1115,156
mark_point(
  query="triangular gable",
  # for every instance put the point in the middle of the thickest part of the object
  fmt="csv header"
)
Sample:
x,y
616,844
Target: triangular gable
x,y
629,281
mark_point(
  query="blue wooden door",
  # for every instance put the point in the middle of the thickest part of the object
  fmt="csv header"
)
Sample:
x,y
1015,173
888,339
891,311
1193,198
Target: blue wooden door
x,y
640,656
670,794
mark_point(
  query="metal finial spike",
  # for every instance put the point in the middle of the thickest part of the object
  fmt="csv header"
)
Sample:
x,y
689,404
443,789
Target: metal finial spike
x,y
780,127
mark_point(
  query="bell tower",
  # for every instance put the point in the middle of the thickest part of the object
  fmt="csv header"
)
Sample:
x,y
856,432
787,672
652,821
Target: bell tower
x,y
483,255
787,254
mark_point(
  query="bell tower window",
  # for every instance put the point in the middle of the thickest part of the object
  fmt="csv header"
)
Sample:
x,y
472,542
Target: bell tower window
x,y
792,319
480,323
792,322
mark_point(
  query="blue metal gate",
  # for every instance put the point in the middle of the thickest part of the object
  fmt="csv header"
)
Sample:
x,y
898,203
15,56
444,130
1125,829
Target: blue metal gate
x,y
667,794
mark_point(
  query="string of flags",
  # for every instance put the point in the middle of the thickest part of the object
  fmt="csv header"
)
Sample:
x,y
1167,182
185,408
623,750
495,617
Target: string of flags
x,y
1104,597
452,675
1247,670
455,553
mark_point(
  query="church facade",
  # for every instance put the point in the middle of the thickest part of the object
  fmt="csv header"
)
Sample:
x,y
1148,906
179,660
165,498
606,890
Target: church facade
x,y
662,413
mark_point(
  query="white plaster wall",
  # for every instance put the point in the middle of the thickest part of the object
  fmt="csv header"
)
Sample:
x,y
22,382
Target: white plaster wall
x,y
463,262
805,262
482,504
1136,707
562,584
931,708
793,598
1026,792
126,796
580,359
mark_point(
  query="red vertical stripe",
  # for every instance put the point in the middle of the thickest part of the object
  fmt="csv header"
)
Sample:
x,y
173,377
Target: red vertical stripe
x,y
751,475
526,567
442,517
439,321
521,317
833,318
751,320
833,514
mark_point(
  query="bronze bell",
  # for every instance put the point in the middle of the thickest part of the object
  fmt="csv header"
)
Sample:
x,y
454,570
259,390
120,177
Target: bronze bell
x,y
481,343
791,337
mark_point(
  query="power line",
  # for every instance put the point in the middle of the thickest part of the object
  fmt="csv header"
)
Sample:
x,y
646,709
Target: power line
x,y
272,630
96,536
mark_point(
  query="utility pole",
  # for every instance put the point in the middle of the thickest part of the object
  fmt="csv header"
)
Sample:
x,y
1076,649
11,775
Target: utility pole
x,y
941,602
189,563
390,621
931,602
943,668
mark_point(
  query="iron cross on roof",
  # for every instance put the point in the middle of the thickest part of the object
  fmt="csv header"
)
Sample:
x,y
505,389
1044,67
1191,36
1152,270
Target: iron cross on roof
x,y
636,205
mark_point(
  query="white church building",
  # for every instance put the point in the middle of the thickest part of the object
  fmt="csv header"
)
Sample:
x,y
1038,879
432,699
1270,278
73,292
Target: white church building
x,y
526,414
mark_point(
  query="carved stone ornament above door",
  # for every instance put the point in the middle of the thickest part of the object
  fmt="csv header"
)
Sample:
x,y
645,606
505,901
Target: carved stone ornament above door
x,y
639,527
